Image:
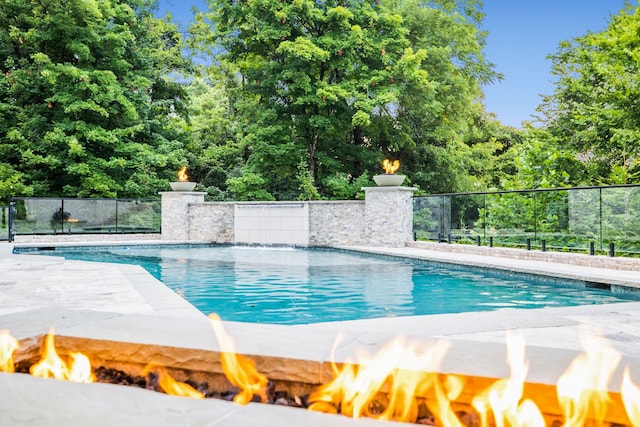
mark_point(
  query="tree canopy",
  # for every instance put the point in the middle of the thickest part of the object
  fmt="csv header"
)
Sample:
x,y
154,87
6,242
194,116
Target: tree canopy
x,y
296,99
331,88
594,108
86,102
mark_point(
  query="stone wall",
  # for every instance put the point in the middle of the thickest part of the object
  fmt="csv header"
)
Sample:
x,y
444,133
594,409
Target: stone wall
x,y
388,216
336,223
384,218
175,213
211,222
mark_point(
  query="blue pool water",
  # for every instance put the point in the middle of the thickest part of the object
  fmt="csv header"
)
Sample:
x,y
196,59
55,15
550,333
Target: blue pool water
x,y
297,286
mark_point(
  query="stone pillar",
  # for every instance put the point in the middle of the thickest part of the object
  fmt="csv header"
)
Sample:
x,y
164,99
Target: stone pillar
x,y
175,213
388,216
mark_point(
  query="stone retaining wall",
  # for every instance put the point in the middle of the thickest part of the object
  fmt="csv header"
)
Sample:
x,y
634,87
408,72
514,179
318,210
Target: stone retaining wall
x,y
336,223
384,218
176,216
211,222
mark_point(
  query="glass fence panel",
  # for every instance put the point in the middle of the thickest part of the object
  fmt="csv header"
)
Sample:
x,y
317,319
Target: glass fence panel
x,y
38,216
4,222
551,219
510,218
431,218
621,218
90,216
578,219
139,216
584,220
465,216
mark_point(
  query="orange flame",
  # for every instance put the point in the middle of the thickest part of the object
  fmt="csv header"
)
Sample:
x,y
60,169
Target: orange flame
x,y
8,346
406,371
582,388
240,371
631,398
51,365
388,385
182,174
170,386
504,397
389,166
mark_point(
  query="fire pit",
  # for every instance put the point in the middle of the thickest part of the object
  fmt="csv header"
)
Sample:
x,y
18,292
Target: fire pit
x,y
183,183
405,381
389,178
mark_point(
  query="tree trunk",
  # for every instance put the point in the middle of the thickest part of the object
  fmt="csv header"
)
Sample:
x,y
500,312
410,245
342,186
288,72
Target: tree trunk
x,y
313,146
357,135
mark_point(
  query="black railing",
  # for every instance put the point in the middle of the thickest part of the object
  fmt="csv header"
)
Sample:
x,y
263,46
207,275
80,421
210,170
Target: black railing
x,y
587,219
35,215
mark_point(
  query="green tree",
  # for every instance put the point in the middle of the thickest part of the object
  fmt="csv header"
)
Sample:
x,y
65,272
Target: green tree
x,y
86,105
439,120
594,107
490,157
317,72
214,152
540,161
339,86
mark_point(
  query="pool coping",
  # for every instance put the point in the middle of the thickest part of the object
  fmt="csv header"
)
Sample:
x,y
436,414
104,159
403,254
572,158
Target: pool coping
x,y
478,339
629,279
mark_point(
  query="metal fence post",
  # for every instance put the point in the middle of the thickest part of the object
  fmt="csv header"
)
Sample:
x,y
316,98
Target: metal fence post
x,y
12,220
600,218
535,217
484,220
116,215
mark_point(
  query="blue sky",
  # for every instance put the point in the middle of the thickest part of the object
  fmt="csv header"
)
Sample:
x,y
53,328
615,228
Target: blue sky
x,y
521,35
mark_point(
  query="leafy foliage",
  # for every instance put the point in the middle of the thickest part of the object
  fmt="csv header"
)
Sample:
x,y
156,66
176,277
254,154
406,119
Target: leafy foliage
x,y
594,107
340,86
299,100
86,104
439,117
540,161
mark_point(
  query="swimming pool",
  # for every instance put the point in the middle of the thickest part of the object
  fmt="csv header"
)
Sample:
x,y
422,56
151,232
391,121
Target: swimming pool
x,y
303,285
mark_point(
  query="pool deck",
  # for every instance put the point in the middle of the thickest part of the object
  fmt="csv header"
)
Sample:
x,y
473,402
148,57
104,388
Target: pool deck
x,y
123,303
